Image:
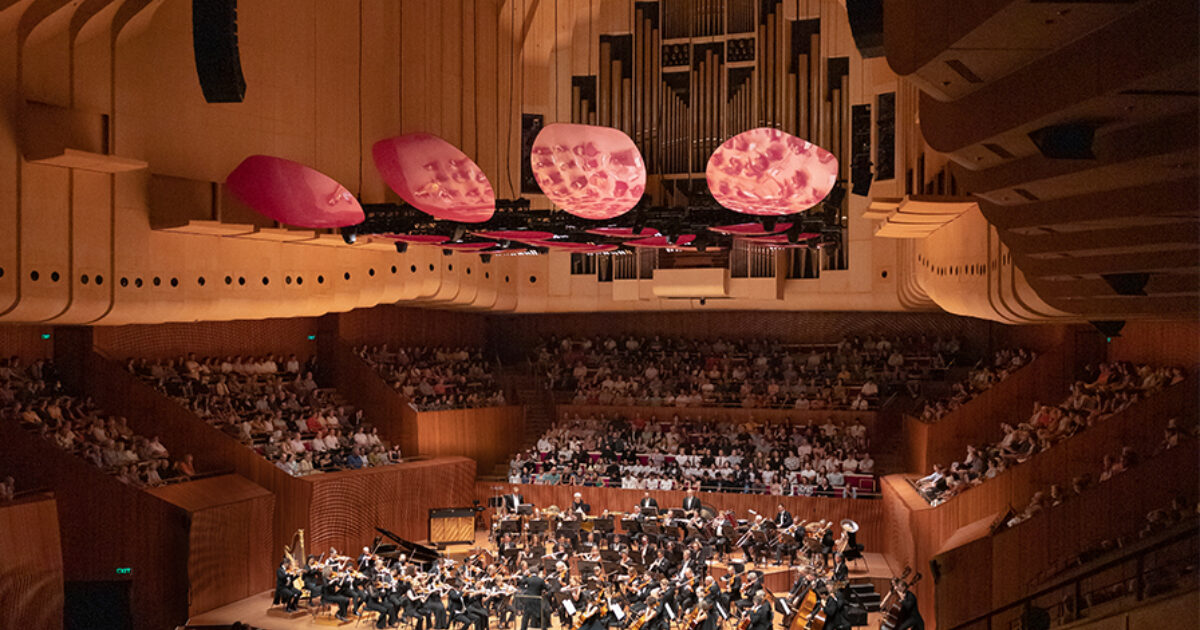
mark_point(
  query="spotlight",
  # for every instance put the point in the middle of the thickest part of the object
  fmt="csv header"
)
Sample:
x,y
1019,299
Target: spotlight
x,y
460,230
349,236
447,252
703,301
485,258
769,224
401,247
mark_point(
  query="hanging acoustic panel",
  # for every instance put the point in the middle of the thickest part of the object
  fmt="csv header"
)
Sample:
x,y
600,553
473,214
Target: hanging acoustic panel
x,y
591,172
750,229
767,172
419,239
435,177
292,193
622,232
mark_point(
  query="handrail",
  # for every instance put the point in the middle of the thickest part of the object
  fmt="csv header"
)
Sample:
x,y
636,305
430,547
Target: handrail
x,y
1191,531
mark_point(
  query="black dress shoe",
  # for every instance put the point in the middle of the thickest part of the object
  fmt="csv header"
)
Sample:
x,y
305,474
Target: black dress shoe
x,y
342,617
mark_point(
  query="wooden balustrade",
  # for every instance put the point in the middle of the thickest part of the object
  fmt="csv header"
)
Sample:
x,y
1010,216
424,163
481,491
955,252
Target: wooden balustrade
x,y
359,382
711,414
489,435
1045,379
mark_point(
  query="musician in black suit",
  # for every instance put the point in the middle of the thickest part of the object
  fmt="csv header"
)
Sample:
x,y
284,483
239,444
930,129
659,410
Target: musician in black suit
x,y
840,571
691,504
826,544
909,617
783,518
284,592
513,501
533,587
658,618
378,601
761,617
836,611
648,501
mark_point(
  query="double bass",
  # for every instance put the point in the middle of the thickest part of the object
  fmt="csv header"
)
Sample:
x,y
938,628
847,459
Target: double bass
x,y
890,606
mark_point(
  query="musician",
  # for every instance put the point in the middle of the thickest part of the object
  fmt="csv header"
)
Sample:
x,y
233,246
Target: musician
x,y
909,616
691,504
836,613
648,502
533,588
578,507
378,601
783,518
512,502
334,593
840,571
723,531
761,617
750,546
285,593
655,616
826,544
364,560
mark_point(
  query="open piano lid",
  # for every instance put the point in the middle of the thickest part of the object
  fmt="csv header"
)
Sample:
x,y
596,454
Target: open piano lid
x,y
419,554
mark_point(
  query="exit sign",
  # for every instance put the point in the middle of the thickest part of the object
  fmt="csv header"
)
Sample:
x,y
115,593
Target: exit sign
x,y
124,570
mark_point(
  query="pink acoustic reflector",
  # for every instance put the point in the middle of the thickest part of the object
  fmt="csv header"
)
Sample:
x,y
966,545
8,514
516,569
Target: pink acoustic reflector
x,y
574,248
661,241
749,229
418,239
765,171
591,172
435,177
292,193
468,247
623,232
781,240
521,236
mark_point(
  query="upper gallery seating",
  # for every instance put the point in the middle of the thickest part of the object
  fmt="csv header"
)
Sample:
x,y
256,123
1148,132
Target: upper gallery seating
x,y
437,378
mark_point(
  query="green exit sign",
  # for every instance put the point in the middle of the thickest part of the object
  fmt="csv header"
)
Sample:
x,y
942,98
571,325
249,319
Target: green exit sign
x,y
312,337
45,335
124,570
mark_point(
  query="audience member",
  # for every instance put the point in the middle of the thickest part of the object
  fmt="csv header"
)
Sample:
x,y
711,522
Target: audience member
x,y
437,378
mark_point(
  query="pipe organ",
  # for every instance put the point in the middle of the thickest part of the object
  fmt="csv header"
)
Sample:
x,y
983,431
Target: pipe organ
x,y
691,73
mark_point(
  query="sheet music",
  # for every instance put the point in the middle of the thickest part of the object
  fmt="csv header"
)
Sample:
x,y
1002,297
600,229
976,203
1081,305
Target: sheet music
x,y
617,612
569,607
670,611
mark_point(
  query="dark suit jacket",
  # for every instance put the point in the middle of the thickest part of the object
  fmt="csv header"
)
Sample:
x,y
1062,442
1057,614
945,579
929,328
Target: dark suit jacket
x,y
649,502
762,617
784,519
691,503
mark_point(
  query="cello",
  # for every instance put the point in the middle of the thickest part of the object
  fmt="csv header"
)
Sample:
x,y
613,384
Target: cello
x,y
890,606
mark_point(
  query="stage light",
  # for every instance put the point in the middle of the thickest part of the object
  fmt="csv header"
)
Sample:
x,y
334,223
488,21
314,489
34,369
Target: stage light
x,y
401,247
350,236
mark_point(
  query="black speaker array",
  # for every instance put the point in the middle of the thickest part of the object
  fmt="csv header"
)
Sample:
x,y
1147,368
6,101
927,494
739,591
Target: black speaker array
x,y
866,26
215,45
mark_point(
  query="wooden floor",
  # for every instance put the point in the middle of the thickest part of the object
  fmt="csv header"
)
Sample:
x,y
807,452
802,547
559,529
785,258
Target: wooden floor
x,y
253,610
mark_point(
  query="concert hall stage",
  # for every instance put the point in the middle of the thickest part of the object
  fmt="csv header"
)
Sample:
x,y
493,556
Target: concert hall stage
x,y
253,610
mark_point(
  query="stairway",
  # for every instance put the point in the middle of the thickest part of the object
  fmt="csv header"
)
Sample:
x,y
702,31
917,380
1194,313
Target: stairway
x,y
523,388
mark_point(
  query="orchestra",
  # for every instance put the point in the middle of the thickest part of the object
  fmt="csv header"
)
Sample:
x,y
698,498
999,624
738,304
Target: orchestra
x,y
646,570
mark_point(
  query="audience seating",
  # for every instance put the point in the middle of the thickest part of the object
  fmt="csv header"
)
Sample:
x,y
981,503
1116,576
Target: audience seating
x,y
437,378
980,378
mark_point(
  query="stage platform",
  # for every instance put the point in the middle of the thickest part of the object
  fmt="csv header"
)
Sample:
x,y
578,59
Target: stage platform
x,y
254,610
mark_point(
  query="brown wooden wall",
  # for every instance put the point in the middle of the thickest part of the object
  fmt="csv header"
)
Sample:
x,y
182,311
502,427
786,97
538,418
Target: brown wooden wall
x,y
106,524
240,337
24,341
403,326
384,407
345,507
1047,379
229,538
513,332
1017,556
31,565
489,435
868,513
1162,343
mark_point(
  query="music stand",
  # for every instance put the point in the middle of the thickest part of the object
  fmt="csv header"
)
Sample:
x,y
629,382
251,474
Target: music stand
x,y
649,511
538,526
568,527
678,513
652,528
613,567
586,567
510,526
603,524
630,525
610,556
525,509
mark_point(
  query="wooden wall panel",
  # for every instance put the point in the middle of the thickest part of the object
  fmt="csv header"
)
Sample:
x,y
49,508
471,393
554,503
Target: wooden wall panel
x,y
240,337
229,538
868,513
31,566
24,341
1018,556
346,507
105,525
385,407
489,435
1161,343
401,326
511,333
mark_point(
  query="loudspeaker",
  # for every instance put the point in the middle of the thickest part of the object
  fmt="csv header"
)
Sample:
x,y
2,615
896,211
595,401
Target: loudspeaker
x,y
866,25
1070,141
215,47
1127,283
1109,328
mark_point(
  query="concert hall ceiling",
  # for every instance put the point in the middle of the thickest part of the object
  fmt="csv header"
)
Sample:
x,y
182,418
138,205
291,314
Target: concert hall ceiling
x,y
1011,160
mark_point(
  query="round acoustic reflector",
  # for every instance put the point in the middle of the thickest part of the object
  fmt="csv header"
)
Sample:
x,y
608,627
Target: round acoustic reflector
x,y
591,172
435,177
293,194
768,172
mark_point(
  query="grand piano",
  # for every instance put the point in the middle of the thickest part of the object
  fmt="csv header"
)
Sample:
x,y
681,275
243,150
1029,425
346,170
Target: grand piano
x,y
416,553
